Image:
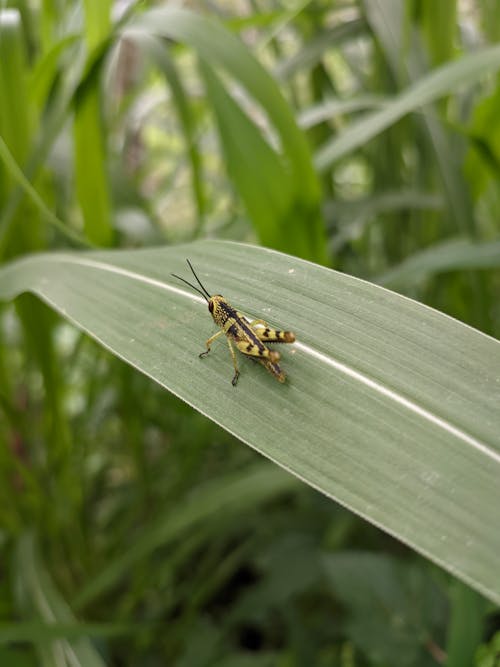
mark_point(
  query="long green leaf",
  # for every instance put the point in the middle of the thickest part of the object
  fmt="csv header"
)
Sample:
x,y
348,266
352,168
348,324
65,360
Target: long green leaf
x,y
16,173
450,255
391,408
92,185
17,122
255,169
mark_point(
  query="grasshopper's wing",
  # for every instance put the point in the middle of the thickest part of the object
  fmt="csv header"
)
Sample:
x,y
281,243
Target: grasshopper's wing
x,y
247,341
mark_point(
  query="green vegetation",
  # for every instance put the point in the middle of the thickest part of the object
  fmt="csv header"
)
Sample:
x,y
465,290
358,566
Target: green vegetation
x,y
136,527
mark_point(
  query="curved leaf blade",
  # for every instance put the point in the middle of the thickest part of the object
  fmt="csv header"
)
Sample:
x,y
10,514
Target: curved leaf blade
x,y
391,407
449,255
429,88
220,49
39,596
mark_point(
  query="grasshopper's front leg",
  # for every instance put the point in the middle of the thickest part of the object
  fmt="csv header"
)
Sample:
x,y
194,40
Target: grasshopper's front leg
x,y
235,364
209,342
231,350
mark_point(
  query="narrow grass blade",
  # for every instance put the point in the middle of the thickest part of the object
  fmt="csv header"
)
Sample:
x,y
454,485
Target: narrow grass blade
x,y
39,597
451,255
92,185
429,88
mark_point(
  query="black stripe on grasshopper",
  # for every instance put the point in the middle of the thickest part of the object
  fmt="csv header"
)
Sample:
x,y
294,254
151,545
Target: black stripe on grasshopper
x,y
249,337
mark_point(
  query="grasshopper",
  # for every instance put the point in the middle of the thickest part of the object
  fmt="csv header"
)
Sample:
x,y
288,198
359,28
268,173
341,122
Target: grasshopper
x,y
248,336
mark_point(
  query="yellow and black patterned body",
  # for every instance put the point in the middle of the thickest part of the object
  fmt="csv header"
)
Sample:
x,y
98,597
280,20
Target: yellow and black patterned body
x,y
250,337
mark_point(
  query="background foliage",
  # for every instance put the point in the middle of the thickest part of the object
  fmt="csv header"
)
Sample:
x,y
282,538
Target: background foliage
x,y
122,126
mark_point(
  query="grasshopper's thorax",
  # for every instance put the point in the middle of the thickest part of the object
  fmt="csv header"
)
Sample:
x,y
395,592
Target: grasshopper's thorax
x,y
220,310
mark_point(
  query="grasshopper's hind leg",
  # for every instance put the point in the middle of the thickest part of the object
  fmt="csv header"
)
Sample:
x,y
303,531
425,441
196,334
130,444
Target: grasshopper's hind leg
x,y
209,342
267,334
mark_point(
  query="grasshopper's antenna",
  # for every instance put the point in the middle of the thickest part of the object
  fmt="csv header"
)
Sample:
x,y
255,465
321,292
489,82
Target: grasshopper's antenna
x,y
204,294
197,279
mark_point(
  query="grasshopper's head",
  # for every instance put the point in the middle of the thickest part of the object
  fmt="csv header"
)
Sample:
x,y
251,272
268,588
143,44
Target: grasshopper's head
x,y
214,302
217,307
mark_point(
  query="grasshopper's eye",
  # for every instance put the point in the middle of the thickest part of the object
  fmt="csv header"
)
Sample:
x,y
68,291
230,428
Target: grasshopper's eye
x,y
211,306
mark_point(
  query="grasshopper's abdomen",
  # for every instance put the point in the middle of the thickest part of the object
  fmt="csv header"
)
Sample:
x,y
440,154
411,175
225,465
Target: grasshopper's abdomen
x,y
274,369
